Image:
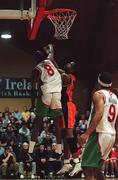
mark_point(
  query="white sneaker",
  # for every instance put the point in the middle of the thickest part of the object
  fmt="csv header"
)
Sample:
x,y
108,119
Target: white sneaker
x,y
32,176
66,168
21,176
76,169
82,175
107,175
112,175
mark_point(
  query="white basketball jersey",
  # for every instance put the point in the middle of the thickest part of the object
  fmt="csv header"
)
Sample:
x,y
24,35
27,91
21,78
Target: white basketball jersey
x,y
107,123
50,77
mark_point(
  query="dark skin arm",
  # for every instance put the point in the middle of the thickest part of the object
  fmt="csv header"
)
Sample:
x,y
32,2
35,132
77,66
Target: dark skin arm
x,y
99,109
61,71
35,78
66,77
56,65
51,51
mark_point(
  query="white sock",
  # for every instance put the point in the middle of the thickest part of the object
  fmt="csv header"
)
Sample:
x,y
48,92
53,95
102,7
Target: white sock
x,y
31,146
76,160
59,148
66,161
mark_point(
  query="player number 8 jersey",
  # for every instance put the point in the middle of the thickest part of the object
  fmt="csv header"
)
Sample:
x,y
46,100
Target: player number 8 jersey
x,y
50,77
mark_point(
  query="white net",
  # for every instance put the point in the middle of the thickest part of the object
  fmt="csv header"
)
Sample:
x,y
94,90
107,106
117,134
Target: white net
x,y
62,21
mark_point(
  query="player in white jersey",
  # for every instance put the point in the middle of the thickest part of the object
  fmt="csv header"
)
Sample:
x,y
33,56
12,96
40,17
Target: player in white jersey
x,y
101,133
50,77
49,100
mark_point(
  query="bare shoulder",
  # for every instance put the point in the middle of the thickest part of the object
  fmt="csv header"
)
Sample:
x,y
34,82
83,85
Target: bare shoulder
x,y
97,96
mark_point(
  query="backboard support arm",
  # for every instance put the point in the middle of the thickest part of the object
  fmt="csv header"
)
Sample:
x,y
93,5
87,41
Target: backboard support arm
x,y
40,14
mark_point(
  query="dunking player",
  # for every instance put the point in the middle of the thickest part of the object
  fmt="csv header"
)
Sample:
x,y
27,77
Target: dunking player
x,y
69,110
49,103
101,132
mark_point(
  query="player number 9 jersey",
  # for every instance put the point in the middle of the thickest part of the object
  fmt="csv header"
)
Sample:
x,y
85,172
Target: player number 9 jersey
x,y
107,123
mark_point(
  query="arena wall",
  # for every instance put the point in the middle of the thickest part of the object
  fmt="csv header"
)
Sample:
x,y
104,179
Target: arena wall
x,y
14,63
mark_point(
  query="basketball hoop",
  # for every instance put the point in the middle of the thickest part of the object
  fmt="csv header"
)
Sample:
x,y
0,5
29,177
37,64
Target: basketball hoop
x,y
62,19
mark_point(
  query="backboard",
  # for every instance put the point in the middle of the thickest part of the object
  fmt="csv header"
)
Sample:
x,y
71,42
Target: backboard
x,y
38,7
17,10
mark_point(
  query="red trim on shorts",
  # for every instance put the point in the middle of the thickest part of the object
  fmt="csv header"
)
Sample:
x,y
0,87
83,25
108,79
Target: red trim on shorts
x,y
114,154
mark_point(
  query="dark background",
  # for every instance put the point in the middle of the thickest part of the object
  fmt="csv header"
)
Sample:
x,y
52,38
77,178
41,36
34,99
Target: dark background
x,y
93,38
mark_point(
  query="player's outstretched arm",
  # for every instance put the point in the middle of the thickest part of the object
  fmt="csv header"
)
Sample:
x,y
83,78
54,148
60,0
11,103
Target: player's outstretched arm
x,y
49,50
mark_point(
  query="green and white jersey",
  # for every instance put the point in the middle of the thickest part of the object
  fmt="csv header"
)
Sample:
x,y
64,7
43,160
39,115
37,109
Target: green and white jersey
x,y
50,77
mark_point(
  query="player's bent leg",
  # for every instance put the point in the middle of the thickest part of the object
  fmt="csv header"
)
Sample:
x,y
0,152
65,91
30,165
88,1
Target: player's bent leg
x,y
58,133
67,167
72,142
57,115
66,148
73,146
41,111
71,139
38,122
